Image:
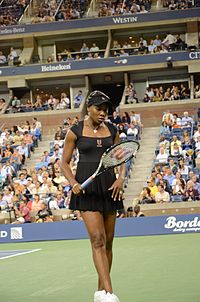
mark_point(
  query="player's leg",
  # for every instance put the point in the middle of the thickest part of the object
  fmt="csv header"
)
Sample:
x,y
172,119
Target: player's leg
x,y
94,222
109,225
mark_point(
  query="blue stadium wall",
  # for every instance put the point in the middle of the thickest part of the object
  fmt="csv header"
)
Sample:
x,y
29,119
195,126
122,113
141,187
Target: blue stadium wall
x,y
143,226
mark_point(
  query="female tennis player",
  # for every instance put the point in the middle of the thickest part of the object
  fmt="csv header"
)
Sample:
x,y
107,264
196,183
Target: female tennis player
x,y
99,202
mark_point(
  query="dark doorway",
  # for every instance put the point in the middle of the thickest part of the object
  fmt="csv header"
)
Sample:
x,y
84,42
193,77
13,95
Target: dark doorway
x,y
114,91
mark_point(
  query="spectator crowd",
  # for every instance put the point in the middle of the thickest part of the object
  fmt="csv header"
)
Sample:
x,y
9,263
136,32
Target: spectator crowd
x,y
175,174
35,194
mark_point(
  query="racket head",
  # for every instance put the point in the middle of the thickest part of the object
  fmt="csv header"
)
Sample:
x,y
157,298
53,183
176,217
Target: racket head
x,y
119,154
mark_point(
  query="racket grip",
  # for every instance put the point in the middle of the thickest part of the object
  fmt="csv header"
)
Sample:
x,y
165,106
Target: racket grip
x,y
87,182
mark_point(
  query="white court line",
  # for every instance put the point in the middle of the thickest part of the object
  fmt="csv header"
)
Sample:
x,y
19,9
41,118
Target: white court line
x,y
19,254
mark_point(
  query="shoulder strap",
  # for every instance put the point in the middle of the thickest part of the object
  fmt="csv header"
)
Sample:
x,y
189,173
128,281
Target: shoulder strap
x,y
77,129
112,129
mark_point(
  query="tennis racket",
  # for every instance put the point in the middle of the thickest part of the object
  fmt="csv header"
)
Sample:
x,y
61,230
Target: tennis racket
x,y
113,157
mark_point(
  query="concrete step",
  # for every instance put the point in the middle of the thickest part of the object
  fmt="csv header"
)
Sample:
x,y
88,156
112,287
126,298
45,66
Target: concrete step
x,y
42,146
142,165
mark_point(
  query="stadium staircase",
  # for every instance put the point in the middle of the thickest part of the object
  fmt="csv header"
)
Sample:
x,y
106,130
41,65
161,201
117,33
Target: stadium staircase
x,y
42,146
142,165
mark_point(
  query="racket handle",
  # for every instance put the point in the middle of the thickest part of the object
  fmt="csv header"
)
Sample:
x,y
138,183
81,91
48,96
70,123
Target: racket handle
x,y
87,182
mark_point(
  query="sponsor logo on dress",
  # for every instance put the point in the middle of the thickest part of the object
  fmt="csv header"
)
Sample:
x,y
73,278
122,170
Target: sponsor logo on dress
x,y
16,233
99,143
58,67
182,226
120,20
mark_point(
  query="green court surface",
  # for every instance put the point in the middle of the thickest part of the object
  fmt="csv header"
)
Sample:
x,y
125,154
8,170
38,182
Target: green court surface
x,y
145,269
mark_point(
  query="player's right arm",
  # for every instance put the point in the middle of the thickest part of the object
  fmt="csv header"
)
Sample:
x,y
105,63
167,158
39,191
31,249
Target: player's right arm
x,y
69,146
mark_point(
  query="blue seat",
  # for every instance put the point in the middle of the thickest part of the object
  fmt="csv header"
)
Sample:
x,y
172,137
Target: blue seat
x,y
176,198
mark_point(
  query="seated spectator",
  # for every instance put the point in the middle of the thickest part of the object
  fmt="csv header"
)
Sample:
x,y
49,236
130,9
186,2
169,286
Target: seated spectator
x,y
64,101
143,41
122,53
2,103
142,49
59,179
183,169
84,48
50,59
23,211
12,55
44,214
3,59
137,212
94,48
184,92
191,193
172,5
162,49
143,10
162,196
8,197
125,118
115,119
157,41
174,141
167,95
169,176
179,188
29,104
132,130
57,203
38,102
146,98
187,120
162,156
15,102
78,99
116,44
89,56
130,94
197,133
163,182
122,131
197,92
152,186
158,97
36,204
163,142
169,41
196,183
151,47
164,129
126,45
145,196
176,151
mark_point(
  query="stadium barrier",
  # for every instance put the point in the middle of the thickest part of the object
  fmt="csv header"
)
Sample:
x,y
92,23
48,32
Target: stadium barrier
x,y
143,226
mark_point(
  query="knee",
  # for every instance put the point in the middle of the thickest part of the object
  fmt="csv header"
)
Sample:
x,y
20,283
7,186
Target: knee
x,y
98,241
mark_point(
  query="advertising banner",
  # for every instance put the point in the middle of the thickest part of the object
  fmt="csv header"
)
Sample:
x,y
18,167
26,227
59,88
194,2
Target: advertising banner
x,y
65,67
143,226
99,22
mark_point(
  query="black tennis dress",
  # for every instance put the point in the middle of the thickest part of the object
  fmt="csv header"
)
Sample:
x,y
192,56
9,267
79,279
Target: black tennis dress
x,y
96,196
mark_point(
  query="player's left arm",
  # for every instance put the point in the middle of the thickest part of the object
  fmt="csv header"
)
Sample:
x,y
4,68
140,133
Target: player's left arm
x,y
117,186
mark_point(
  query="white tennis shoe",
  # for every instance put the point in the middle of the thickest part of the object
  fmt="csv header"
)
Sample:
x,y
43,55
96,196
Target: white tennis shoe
x,y
111,298
100,296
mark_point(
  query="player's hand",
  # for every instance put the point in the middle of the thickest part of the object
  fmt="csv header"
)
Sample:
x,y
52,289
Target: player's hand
x,y
76,189
117,189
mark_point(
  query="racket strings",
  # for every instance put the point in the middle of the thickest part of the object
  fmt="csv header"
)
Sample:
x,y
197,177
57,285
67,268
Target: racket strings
x,y
120,154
